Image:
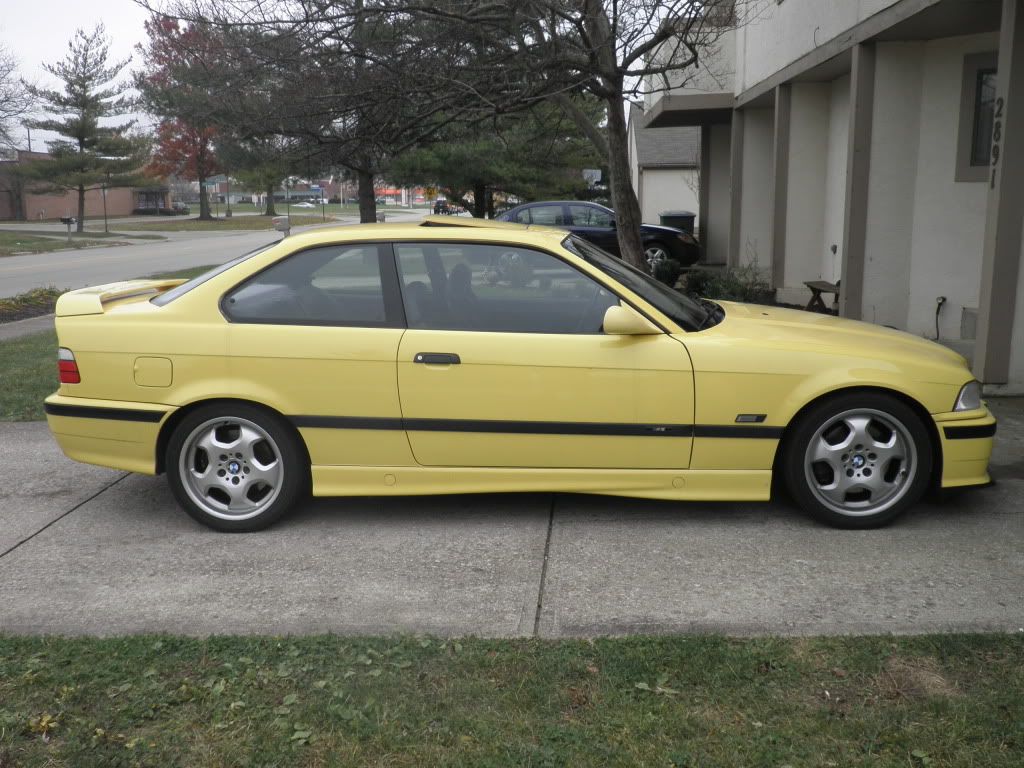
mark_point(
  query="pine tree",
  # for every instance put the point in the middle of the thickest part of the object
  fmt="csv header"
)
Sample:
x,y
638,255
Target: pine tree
x,y
88,154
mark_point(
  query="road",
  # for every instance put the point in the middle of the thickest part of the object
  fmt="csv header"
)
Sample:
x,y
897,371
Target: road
x,y
94,266
85,550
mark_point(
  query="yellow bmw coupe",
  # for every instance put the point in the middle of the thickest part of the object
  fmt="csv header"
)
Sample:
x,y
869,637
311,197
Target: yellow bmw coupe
x,y
464,356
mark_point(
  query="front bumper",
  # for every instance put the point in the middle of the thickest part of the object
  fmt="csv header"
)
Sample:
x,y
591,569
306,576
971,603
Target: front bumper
x,y
966,441
107,433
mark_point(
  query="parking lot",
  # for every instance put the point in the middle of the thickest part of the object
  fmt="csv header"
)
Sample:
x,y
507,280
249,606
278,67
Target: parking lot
x,y
88,550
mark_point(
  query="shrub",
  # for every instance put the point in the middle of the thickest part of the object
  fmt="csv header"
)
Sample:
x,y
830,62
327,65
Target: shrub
x,y
746,283
668,271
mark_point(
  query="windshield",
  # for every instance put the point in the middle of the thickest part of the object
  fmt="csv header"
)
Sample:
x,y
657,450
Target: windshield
x,y
681,308
181,290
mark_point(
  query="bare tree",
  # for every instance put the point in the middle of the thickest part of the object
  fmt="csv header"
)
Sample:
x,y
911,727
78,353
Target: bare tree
x,y
15,100
382,76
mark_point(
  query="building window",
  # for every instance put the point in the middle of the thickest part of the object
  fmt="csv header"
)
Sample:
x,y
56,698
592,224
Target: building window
x,y
977,106
984,106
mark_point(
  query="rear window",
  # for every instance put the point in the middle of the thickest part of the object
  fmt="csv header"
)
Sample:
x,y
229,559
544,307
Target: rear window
x,y
181,290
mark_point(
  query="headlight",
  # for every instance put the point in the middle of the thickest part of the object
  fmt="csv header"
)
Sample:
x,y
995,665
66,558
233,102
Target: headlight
x,y
969,398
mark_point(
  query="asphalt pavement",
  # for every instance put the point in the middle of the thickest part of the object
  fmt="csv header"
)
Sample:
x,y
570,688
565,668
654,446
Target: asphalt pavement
x,y
75,268
85,550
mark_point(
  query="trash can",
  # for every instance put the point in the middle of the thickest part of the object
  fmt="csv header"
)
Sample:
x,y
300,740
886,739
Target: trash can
x,y
679,219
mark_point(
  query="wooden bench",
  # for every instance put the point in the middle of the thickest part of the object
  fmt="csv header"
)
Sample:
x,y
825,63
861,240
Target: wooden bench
x,y
819,287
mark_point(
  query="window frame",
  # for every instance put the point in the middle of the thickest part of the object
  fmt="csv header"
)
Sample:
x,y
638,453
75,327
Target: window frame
x,y
394,308
603,280
974,65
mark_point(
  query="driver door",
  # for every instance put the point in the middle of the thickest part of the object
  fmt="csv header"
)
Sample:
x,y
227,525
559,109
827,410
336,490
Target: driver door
x,y
505,365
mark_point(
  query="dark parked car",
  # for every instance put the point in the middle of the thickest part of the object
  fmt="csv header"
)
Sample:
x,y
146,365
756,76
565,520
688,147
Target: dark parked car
x,y
596,223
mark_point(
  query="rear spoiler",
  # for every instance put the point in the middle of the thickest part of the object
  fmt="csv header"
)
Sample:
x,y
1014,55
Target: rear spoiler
x,y
94,300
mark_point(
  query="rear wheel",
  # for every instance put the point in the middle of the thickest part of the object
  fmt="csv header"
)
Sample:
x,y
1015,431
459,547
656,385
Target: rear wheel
x,y
235,467
858,460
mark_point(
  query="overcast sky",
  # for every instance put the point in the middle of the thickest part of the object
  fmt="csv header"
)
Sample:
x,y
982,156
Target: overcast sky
x,y
38,32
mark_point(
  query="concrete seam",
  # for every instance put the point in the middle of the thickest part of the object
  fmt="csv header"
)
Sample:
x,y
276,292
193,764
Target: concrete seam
x,y
544,568
28,538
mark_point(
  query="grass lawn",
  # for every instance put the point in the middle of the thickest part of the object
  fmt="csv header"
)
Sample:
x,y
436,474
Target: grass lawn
x,y
14,243
28,373
679,701
235,223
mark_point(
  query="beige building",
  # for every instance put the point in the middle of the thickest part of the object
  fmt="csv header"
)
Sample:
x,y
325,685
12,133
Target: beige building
x,y
666,167
879,143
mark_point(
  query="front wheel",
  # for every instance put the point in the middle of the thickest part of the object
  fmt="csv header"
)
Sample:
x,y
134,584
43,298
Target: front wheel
x,y
858,460
235,467
655,253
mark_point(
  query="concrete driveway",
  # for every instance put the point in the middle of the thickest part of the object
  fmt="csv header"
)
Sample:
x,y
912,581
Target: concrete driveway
x,y
87,550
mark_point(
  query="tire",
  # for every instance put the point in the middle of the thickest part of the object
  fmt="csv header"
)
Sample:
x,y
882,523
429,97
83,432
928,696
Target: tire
x,y
235,467
847,486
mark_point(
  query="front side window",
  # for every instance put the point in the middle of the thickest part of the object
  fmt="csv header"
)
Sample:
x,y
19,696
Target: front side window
x,y
498,288
330,285
547,215
591,216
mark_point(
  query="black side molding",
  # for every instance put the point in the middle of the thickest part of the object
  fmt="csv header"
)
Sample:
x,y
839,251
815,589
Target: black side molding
x,y
969,433
113,414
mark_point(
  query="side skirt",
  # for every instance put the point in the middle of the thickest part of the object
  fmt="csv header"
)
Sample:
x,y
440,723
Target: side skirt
x,y
680,485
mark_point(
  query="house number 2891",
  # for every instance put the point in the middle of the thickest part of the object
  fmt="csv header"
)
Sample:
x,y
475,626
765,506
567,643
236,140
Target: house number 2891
x,y
997,137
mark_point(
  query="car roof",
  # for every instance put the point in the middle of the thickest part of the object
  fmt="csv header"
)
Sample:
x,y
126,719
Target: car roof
x,y
433,228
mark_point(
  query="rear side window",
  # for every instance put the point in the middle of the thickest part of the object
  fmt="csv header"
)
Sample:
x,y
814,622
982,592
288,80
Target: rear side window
x,y
331,285
497,288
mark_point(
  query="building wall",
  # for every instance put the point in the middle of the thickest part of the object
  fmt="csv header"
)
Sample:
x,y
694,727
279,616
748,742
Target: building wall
x,y
667,189
1016,385
949,216
634,165
805,210
775,35
835,178
714,72
120,202
717,226
755,216
895,136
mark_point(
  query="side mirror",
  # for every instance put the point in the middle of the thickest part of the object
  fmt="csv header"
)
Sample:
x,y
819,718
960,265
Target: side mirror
x,y
282,224
625,321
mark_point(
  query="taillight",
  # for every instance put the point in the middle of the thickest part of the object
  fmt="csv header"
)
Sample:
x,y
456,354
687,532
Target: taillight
x,y
67,368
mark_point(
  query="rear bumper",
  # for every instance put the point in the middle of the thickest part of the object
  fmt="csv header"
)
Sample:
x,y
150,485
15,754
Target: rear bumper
x,y
107,433
966,448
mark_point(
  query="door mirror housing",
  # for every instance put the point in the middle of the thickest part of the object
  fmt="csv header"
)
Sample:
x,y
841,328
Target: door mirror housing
x,y
621,320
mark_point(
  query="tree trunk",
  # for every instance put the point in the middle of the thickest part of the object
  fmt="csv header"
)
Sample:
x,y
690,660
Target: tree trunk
x,y
80,226
270,211
480,200
367,198
627,207
490,203
204,201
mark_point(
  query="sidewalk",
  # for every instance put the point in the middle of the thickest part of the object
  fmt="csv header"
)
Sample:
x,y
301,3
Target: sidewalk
x,y
25,327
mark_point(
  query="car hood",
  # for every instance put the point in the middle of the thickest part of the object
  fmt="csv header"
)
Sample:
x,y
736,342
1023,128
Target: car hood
x,y
834,335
